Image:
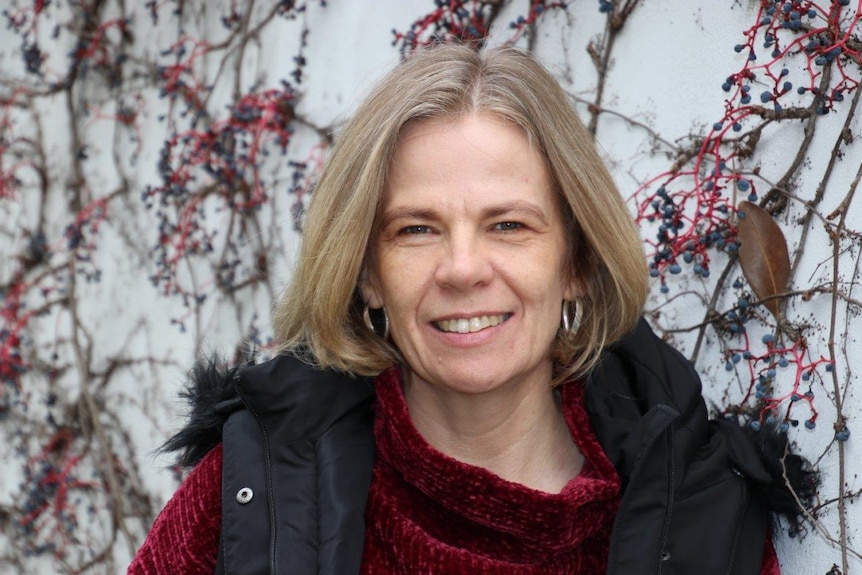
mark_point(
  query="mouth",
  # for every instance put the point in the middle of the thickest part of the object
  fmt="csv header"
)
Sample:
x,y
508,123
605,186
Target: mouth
x,y
470,325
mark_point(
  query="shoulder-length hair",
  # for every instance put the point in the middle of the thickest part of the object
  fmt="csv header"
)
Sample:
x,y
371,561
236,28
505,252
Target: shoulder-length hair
x,y
320,312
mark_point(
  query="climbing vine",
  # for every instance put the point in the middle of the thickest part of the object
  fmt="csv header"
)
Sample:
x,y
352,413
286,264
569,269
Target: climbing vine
x,y
155,161
714,211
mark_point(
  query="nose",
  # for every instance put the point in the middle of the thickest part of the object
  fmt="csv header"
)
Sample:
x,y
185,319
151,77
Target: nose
x,y
465,263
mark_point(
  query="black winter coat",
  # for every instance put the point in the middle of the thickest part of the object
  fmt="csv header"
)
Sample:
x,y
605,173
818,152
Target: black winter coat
x,y
695,491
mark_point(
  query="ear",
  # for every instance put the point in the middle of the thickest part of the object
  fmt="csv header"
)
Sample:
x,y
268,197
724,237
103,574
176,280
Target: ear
x,y
369,286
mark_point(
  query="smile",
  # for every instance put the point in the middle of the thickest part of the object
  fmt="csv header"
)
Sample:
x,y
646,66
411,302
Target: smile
x,y
472,325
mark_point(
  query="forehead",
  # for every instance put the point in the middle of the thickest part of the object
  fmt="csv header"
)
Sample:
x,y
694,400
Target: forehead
x,y
467,154
483,127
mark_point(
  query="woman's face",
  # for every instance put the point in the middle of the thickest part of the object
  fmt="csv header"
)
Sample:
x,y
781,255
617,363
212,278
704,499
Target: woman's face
x,y
469,258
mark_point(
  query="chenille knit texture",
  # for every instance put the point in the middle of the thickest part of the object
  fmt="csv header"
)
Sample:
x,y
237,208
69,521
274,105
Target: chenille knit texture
x,y
428,513
184,538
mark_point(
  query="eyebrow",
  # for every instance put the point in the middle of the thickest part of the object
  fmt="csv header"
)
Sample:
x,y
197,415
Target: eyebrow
x,y
406,213
506,208
516,206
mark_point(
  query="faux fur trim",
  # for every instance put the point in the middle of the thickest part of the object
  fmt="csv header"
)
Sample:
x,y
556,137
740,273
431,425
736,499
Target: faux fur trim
x,y
794,481
212,397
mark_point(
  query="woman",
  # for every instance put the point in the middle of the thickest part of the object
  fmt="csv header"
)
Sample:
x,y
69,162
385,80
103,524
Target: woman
x,y
467,250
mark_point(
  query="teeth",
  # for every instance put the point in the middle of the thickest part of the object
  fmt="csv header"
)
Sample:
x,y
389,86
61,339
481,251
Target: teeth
x,y
472,325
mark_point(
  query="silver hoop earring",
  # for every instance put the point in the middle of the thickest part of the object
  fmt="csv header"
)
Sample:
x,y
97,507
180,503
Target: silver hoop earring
x,y
570,320
366,318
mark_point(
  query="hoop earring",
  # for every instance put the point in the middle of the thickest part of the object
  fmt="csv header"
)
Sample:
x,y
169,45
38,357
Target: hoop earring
x,y
570,320
366,318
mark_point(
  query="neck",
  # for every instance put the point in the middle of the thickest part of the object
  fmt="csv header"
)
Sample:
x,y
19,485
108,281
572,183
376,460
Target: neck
x,y
518,434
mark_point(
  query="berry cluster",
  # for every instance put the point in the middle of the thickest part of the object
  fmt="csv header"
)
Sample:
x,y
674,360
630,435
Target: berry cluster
x,y
825,35
693,202
179,80
23,22
222,162
13,319
691,211
216,167
764,368
50,515
102,50
466,21
29,285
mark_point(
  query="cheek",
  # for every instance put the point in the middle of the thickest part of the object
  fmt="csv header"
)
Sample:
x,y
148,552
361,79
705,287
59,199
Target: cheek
x,y
403,268
547,276
547,299
386,278
400,287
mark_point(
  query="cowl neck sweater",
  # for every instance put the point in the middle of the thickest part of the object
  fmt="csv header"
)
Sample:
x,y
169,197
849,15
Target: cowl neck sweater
x,y
429,513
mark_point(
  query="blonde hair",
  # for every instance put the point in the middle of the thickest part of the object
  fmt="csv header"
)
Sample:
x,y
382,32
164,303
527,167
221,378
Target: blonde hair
x,y
320,312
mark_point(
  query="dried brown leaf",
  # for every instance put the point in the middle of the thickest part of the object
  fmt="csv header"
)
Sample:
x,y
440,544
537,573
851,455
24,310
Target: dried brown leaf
x,y
763,255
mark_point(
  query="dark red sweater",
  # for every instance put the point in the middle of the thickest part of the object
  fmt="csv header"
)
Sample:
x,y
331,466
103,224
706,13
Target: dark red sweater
x,y
428,513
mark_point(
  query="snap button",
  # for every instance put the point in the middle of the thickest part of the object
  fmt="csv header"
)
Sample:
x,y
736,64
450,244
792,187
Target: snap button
x,y
244,495
737,472
665,556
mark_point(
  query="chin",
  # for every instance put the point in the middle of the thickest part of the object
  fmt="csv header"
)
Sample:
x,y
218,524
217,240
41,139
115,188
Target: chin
x,y
474,380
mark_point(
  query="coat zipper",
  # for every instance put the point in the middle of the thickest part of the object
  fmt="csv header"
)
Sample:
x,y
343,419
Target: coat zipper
x,y
665,426
671,492
273,561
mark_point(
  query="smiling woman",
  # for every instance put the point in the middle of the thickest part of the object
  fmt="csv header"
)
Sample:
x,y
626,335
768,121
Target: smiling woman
x,y
509,412
446,84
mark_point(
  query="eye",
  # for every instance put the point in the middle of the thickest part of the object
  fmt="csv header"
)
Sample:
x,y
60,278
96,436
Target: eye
x,y
508,226
413,230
